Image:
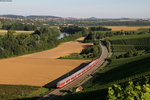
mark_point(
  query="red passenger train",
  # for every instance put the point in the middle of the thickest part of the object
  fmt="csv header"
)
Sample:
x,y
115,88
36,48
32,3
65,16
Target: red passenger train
x,y
76,75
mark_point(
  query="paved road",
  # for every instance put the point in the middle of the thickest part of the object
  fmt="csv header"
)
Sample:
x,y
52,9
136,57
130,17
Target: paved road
x,y
58,92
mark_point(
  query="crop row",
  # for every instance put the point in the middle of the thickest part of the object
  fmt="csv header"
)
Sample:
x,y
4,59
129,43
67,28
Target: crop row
x,y
125,48
138,41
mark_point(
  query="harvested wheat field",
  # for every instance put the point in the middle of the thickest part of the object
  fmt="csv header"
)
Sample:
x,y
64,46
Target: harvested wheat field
x,y
2,32
126,28
40,68
62,50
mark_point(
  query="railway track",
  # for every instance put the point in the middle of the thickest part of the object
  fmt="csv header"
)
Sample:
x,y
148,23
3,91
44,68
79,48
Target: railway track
x,y
58,92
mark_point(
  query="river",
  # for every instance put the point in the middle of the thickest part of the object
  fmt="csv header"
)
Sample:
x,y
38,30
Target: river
x,y
62,35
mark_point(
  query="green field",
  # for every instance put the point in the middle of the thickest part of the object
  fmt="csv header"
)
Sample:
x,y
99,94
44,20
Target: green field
x,y
18,92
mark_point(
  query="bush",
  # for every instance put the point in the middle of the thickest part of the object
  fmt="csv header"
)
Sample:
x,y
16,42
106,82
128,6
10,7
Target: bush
x,y
130,91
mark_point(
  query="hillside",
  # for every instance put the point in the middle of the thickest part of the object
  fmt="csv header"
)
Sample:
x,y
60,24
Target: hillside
x,y
40,16
123,44
12,16
120,70
31,16
113,74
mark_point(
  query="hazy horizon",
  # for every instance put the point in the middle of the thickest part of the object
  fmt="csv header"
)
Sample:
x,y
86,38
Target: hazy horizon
x,y
78,8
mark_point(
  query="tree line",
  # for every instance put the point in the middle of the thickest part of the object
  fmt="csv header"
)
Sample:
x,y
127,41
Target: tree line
x,y
93,35
99,28
41,39
90,52
19,26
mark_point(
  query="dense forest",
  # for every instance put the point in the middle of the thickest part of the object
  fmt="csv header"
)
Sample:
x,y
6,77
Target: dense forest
x,y
19,26
71,29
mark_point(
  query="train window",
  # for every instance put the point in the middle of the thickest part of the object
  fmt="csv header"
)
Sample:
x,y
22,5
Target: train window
x,y
82,71
62,84
79,74
68,81
72,78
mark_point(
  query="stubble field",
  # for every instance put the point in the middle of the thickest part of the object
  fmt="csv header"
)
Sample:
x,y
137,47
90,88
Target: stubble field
x,y
2,32
126,28
40,68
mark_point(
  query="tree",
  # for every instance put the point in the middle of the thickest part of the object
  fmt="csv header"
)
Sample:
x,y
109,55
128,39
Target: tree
x,y
85,31
100,28
95,51
10,42
22,39
71,29
36,32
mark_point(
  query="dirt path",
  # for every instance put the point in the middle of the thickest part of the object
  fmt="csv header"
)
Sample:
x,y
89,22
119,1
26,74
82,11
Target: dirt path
x,y
40,68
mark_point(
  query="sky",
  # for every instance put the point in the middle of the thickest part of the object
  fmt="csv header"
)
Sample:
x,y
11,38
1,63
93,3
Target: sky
x,y
79,8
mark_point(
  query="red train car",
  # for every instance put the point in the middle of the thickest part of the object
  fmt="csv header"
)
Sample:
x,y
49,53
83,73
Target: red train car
x,y
76,75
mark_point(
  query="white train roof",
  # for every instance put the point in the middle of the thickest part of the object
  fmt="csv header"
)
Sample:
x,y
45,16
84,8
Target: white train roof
x,y
69,77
